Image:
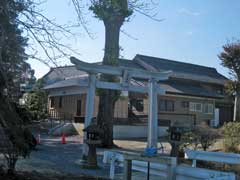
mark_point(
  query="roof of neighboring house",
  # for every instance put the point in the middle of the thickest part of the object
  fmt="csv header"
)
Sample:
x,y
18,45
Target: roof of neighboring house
x,y
181,70
79,81
68,72
129,63
171,87
178,83
61,73
181,88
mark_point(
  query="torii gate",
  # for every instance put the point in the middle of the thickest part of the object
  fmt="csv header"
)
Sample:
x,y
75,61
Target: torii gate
x,y
126,75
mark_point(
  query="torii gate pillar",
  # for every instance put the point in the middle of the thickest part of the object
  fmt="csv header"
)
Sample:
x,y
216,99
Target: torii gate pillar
x,y
89,109
152,114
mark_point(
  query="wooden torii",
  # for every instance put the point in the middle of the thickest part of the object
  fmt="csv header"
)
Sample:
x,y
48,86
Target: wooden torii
x,y
126,74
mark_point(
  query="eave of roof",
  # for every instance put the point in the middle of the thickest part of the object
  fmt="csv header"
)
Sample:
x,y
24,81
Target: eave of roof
x,y
195,90
170,88
78,82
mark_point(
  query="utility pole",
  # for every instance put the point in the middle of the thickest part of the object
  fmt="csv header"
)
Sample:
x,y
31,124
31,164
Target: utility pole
x,y
235,106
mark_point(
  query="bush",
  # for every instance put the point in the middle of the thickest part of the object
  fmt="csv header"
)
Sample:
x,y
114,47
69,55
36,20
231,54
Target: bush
x,y
15,142
207,135
231,137
202,135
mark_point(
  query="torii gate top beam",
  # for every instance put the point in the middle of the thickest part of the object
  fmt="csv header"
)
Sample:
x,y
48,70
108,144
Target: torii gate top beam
x,y
119,71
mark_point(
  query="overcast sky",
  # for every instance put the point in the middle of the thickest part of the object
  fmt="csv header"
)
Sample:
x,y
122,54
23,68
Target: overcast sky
x,y
192,31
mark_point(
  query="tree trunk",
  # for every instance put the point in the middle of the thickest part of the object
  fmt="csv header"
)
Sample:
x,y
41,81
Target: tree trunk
x,y
108,98
12,164
2,78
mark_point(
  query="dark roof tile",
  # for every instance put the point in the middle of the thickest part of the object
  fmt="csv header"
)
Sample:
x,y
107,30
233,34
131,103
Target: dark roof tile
x,y
183,70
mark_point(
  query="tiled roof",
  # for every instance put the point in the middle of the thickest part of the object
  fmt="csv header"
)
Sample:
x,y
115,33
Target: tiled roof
x,y
178,83
129,63
68,72
175,87
66,83
61,73
183,70
171,87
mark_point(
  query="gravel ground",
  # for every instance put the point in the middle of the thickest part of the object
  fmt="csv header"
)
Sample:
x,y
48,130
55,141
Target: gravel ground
x,y
52,157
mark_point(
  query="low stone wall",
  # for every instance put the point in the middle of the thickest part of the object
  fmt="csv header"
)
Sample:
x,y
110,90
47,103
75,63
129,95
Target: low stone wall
x,y
119,131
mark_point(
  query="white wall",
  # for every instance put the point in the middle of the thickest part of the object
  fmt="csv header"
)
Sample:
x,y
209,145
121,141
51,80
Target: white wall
x,y
119,131
124,131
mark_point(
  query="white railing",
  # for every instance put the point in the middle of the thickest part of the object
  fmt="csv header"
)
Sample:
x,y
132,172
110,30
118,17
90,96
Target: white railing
x,y
117,158
219,157
181,172
190,173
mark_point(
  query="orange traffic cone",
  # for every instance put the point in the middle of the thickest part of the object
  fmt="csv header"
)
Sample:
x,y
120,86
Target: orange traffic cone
x,y
38,139
63,138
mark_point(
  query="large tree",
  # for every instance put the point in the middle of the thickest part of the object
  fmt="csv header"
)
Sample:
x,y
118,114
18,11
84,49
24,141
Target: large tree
x,y
230,58
21,20
12,61
113,13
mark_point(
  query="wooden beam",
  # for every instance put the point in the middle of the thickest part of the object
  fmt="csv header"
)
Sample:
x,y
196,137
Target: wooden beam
x,y
119,71
127,169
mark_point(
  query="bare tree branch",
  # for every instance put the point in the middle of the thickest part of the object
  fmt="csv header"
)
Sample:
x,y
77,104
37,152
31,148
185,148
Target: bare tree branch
x,y
46,33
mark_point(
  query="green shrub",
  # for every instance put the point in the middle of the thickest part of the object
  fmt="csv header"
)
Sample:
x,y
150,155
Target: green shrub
x,y
36,104
24,114
231,137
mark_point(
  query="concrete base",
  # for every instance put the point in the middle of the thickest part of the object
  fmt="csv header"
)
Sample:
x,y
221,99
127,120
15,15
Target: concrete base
x,y
68,128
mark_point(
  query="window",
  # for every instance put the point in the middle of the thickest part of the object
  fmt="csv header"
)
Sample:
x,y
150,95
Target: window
x,y
79,108
166,105
60,102
137,104
195,107
208,108
52,103
185,104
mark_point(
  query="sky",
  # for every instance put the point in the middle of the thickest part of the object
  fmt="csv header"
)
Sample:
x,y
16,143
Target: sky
x,y
192,31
